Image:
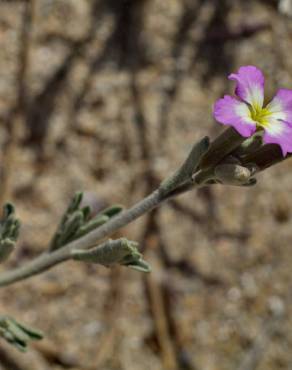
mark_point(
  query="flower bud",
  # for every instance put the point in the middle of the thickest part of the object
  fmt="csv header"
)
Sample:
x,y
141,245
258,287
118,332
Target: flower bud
x,y
232,174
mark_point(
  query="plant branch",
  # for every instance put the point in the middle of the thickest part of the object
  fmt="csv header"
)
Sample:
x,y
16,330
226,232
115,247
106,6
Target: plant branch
x,y
50,259
190,175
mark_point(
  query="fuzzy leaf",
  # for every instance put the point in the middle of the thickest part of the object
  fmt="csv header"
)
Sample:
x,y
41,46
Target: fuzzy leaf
x,y
17,334
120,251
187,169
112,210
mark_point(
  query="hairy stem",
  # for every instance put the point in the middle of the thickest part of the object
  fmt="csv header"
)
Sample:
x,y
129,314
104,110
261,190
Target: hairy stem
x,y
49,259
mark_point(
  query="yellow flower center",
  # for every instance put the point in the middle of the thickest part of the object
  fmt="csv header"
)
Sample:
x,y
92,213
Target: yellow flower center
x,y
260,115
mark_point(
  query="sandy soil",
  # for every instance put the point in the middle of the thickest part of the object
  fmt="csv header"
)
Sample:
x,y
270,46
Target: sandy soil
x,y
108,97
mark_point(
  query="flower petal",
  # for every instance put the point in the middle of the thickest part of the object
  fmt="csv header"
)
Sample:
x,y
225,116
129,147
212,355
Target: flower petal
x,y
250,85
281,105
235,113
279,132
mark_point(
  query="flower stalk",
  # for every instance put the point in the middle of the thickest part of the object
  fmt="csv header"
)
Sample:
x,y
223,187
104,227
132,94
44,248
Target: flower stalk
x,y
258,137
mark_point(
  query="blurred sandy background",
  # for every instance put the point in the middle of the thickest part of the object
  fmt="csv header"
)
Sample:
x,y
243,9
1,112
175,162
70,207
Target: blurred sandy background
x,y
107,96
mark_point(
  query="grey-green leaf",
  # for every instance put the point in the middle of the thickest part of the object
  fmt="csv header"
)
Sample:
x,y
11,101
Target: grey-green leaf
x,y
187,169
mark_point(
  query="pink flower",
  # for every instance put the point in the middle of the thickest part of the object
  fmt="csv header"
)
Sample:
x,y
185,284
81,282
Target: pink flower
x,y
246,112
